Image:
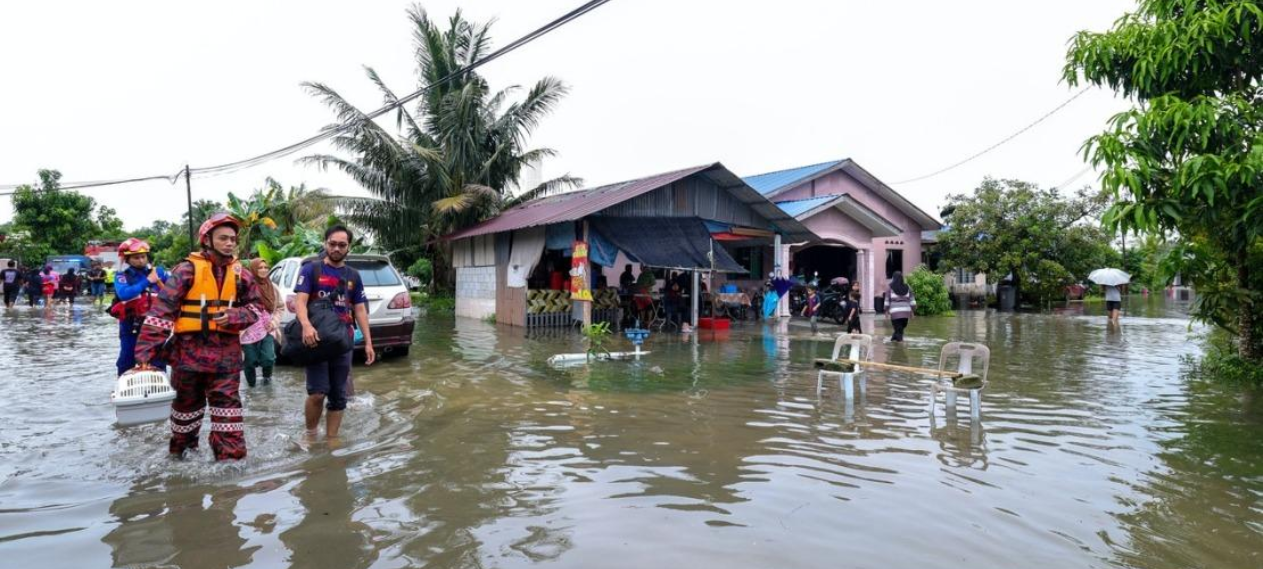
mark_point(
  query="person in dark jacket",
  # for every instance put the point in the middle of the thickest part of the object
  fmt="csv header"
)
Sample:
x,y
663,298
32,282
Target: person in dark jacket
x,y
12,279
68,286
34,286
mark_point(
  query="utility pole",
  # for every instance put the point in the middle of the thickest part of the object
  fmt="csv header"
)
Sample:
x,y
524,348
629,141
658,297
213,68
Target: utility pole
x,y
188,188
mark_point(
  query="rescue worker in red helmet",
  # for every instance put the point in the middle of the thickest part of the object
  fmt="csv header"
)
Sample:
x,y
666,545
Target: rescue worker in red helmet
x,y
195,323
134,289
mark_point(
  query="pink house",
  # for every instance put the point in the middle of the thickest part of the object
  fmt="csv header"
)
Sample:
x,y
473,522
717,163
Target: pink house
x,y
866,230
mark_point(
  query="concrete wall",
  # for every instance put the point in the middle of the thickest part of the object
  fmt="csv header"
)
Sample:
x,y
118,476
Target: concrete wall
x,y
834,225
476,291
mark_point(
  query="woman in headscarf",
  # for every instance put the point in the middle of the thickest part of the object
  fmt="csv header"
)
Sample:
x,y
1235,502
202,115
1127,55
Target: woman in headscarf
x,y
899,304
258,342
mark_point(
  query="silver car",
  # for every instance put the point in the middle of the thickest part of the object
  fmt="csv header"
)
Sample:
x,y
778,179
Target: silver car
x,y
389,306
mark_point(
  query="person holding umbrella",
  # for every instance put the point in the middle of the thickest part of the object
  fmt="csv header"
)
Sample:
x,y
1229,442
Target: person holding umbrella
x,y
1110,280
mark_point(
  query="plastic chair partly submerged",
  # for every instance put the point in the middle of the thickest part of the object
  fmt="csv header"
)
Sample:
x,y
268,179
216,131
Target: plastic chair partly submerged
x,y
858,347
970,382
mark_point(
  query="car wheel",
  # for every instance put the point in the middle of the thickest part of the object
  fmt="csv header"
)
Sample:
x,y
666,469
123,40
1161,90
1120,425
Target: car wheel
x,y
401,352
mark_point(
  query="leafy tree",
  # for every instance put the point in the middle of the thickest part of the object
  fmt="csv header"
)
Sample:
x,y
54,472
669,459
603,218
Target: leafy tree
x,y
1188,158
109,226
459,152
169,242
1039,237
930,292
54,220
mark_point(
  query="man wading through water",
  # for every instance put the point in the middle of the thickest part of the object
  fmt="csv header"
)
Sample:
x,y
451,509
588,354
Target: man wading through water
x,y
207,301
331,279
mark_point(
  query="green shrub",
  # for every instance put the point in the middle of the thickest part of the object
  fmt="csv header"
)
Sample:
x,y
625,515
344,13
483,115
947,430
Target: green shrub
x,y
423,270
1222,364
930,292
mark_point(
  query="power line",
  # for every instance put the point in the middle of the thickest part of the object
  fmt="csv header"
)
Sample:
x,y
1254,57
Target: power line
x,y
998,144
1071,180
97,184
220,169
330,132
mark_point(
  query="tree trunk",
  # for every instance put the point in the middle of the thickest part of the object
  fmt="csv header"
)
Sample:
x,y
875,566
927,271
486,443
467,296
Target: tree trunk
x,y
1248,347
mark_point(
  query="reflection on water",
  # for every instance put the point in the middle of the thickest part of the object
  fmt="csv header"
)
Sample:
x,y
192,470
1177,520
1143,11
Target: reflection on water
x,y
716,450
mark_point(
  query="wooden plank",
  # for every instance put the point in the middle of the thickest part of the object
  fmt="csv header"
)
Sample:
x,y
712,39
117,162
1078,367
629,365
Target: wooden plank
x,y
825,362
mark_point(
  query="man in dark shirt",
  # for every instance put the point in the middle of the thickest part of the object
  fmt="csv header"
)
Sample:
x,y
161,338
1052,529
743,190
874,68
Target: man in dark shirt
x,y
331,279
627,279
96,282
12,280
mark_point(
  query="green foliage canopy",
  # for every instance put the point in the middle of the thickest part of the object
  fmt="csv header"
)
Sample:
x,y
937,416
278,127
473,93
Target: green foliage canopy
x,y
1188,158
1038,236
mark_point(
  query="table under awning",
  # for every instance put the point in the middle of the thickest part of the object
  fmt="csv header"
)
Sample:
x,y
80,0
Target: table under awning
x,y
666,242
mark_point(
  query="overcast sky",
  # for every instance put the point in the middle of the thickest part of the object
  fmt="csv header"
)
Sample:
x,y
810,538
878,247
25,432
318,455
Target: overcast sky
x,y
103,90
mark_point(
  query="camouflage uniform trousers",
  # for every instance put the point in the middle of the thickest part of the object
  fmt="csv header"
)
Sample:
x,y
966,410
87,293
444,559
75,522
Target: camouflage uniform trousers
x,y
193,391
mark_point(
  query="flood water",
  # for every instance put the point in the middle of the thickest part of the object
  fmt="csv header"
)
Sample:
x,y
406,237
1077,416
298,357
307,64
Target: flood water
x,y
1092,451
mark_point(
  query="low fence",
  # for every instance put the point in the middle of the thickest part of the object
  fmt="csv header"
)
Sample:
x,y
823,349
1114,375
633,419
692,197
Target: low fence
x,y
552,309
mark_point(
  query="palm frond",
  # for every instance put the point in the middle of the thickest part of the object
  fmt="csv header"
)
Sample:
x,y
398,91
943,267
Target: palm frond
x,y
388,96
453,204
546,188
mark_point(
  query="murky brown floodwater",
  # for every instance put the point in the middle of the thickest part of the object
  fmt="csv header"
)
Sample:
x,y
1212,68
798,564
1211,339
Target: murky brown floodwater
x,y
1092,452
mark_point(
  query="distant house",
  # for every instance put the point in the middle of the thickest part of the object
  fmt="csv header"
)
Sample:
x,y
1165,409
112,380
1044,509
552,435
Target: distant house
x,y
962,284
866,230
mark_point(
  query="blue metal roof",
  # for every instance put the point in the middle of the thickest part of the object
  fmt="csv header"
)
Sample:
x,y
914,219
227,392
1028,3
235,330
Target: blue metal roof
x,y
796,208
772,181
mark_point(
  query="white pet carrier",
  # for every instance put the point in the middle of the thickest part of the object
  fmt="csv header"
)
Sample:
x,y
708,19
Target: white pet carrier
x,y
142,397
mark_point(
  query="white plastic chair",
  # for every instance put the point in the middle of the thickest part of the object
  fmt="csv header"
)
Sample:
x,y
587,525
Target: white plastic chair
x,y
859,348
966,352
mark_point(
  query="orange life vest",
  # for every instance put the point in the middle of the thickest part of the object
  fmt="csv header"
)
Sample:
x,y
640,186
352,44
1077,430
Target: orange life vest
x,y
206,298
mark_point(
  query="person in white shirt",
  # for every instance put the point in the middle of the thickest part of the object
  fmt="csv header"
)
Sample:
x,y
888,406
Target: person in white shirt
x,y
1113,302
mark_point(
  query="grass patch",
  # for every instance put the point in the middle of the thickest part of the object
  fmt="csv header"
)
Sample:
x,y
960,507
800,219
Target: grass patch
x,y
434,303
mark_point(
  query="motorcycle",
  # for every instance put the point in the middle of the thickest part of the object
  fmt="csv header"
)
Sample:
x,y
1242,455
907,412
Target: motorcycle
x,y
833,304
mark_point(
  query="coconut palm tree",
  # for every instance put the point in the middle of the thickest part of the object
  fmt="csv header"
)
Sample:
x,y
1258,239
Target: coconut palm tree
x,y
454,158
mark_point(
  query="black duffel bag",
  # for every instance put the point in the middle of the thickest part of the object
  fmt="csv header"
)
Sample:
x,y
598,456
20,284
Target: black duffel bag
x,y
335,339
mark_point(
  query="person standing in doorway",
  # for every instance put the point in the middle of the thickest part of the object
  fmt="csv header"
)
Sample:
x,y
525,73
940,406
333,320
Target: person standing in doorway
x,y
257,342
899,305
196,321
331,279
1113,302
12,280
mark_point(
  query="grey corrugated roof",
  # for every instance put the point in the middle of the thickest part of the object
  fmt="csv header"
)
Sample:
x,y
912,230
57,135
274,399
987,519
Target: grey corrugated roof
x,y
575,205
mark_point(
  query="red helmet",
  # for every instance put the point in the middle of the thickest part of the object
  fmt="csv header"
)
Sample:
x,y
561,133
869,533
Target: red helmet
x,y
132,246
216,220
